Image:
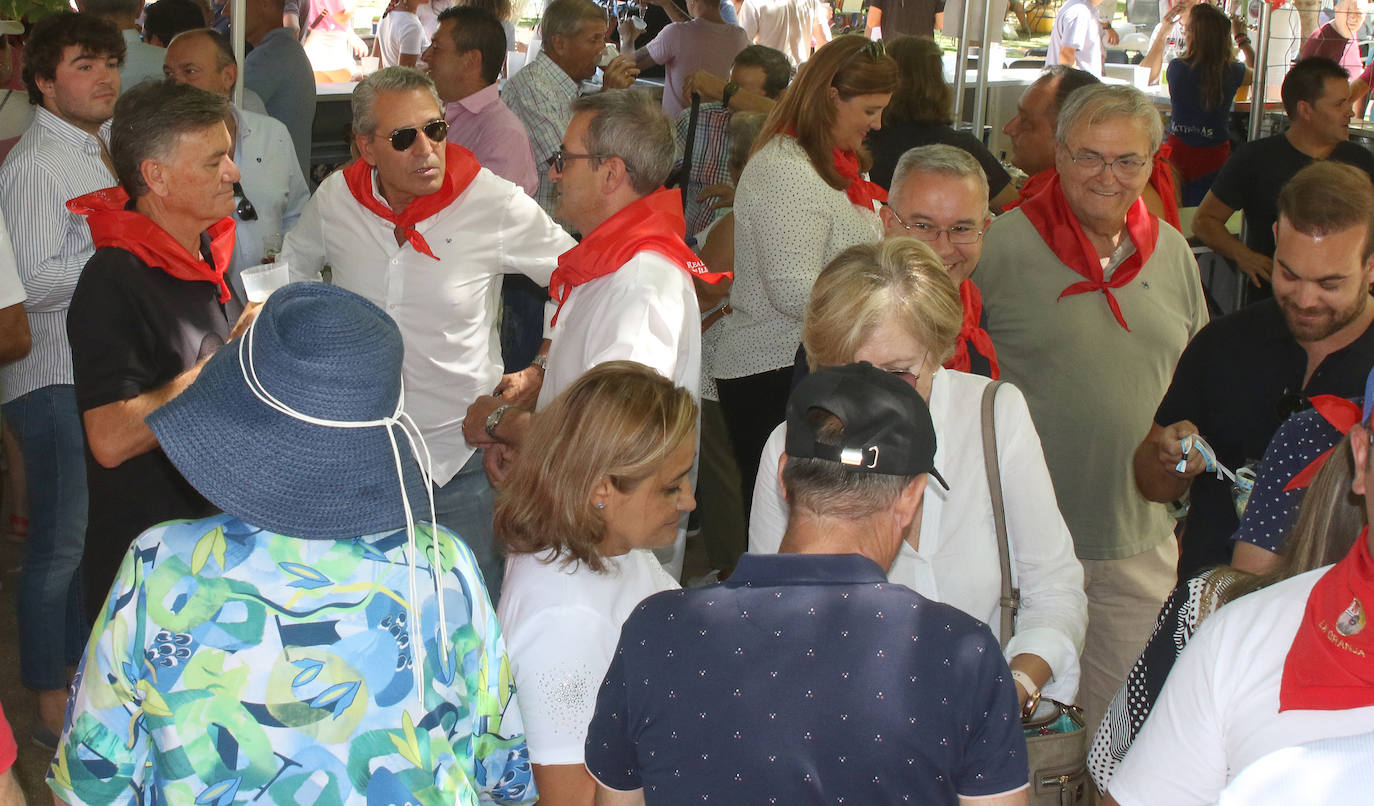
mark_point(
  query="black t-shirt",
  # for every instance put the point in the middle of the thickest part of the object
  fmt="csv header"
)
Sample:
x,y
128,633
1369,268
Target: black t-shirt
x,y
133,329
908,17
1252,178
889,143
1233,382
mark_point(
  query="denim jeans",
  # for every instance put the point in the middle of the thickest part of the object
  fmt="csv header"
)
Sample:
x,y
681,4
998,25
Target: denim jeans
x,y
52,623
464,505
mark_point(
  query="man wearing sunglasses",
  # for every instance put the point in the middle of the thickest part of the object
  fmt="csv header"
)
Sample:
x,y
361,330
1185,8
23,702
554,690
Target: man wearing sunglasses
x,y
625,292
272,191
420,228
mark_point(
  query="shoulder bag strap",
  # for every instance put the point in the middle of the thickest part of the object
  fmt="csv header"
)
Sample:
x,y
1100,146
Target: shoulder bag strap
x,y
1011,597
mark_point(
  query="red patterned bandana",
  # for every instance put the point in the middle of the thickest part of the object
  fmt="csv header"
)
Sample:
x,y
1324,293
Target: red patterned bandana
x,y
114,225
460,166
651,224
1330,666
1049,213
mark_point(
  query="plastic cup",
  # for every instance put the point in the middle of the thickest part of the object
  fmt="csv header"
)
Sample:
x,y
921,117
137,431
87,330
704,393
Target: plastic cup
x,y
260,281
370,65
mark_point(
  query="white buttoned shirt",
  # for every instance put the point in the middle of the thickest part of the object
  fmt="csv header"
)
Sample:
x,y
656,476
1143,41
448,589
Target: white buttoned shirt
x,y
446,308
271,180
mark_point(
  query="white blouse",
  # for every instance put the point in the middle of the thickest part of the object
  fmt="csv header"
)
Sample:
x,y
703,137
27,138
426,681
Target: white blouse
x,y
957,560
561,625
788,225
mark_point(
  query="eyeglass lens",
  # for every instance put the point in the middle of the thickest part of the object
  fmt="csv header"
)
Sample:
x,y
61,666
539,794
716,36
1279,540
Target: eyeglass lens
x,y
403,139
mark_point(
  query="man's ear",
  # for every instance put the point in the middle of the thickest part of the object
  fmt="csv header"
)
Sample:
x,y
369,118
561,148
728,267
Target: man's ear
x,y
366,148
228,76
782,485
909,502
616,176
1359,449
154,177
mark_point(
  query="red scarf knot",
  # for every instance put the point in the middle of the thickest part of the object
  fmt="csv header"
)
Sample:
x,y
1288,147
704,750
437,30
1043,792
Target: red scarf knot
x,y
1341,414
460,167
1330,666
113,224
1051,216
860,191
651,224
971,333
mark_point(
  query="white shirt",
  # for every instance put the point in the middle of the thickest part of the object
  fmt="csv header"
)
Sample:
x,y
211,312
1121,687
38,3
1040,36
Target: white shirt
x,y
645,311
957,561
783,25
1325,771
788,225
561,625
1077,26
11,289
1218,712
446,308
400,32
142,61
273,184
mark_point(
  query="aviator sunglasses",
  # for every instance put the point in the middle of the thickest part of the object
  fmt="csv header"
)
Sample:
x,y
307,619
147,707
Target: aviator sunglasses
x,y
403,139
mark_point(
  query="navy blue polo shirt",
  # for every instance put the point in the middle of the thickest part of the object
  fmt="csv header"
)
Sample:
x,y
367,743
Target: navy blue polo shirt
x,y
801,679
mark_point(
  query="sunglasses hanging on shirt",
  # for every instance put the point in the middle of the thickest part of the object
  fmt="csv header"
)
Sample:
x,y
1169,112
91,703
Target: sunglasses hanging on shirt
x,y
245,211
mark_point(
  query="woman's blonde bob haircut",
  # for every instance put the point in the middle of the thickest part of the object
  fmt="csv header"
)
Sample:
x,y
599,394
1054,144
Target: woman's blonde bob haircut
x,y
864,285
619,420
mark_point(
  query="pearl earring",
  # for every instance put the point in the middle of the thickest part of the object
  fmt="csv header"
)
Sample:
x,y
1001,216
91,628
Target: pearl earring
x,y
600,506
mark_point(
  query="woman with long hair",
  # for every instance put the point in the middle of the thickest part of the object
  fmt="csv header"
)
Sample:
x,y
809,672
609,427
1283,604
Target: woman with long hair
x,y
1202,89
1328,521
893,305
602,478
801,200
920,114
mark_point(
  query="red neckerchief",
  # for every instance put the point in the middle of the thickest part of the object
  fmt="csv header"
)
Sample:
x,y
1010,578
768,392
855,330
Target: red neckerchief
x,y
651,224
460,166
970,332
112,224
1342,414
1032,187
860,191
1049,213
1161,179
1330,666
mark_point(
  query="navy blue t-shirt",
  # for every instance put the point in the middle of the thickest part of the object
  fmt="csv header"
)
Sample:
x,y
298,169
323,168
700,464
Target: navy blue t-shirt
x,y
806,678
1189,120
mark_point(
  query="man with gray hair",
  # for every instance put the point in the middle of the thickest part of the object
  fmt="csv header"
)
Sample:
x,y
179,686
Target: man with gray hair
x,y
625,292
418,227
940,195
152,305
1090,302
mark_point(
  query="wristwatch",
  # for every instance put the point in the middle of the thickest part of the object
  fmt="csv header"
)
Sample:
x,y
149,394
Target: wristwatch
x,y
494,419
1032,691
541,361
730,89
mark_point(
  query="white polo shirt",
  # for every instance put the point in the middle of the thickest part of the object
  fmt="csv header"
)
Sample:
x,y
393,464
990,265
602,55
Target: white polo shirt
x,y
446,308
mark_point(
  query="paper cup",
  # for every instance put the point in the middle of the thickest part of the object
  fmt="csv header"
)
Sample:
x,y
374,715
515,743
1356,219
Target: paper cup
x,y
260,281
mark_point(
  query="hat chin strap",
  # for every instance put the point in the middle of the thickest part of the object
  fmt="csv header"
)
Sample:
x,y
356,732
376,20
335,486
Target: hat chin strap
x,y
398,420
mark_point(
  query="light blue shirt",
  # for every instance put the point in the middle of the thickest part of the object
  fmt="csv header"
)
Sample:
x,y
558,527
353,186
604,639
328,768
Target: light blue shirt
x,y
278,70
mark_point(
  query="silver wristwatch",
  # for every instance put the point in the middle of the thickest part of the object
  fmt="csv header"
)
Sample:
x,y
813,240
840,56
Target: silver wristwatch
x,y
494,419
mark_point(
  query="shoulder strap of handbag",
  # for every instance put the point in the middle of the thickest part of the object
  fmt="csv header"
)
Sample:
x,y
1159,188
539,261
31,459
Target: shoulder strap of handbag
x,y
1011,597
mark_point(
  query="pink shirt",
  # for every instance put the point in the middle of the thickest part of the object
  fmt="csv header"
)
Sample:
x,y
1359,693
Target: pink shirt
x,y
685,47
484,125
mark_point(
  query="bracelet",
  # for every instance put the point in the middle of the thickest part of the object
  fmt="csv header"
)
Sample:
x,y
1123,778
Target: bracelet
x,y
494,419
1032,691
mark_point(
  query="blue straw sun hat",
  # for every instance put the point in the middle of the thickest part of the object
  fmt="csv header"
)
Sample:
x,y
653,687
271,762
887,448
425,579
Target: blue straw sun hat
x,y
317,461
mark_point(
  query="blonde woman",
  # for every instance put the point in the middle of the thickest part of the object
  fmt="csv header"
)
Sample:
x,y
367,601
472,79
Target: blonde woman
x,y
601,479
893,305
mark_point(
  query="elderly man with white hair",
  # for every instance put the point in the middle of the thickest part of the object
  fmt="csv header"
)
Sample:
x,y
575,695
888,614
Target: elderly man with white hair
x,y
1090,302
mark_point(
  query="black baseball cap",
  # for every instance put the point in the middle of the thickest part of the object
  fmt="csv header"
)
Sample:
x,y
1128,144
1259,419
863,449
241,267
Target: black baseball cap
x,y
887,427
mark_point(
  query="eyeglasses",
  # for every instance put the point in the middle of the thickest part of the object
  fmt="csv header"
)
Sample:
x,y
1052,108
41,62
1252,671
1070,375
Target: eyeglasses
x,y
245,211
907,375
1125,168
959,233
559,160
403,139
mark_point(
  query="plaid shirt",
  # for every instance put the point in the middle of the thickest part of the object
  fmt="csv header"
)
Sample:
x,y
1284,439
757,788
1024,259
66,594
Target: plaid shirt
x,y
710,159
541,95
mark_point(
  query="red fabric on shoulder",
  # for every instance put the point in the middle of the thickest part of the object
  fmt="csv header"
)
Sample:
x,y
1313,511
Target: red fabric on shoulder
x,y
1330,665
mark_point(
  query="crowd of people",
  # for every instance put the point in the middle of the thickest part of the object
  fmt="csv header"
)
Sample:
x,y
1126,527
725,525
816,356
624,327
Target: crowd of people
x,y
960,454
